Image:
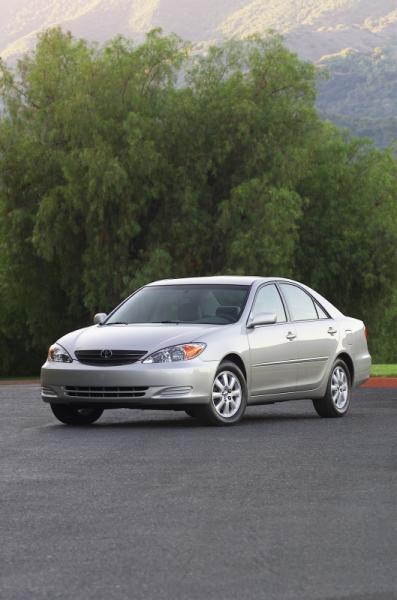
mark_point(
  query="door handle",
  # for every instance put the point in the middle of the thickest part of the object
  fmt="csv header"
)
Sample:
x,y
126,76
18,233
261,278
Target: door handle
x,y
332,331
290,336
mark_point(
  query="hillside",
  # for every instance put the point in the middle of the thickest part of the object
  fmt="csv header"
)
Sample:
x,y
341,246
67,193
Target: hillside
x,y
354,39
314,28
361,93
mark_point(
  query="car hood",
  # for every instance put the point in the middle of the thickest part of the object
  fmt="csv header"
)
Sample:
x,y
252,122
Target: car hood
x,y
148,337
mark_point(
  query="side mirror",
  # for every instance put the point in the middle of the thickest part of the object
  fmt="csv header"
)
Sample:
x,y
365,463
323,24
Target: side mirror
x,y
262,319
99,318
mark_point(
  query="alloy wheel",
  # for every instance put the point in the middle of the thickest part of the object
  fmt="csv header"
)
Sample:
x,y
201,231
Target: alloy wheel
x,y
226,394
339,388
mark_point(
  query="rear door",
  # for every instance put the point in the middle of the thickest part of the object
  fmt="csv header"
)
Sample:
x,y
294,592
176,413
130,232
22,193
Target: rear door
x,y
273,350
317,336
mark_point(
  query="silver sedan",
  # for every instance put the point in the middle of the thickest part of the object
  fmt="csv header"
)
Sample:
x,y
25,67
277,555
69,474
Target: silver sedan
x,y
209,346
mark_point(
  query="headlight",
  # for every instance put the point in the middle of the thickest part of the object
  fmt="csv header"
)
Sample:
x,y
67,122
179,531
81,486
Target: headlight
x,y
58,354
176,353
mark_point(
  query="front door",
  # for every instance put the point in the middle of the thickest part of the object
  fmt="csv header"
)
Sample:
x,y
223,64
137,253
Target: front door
x,y
273,351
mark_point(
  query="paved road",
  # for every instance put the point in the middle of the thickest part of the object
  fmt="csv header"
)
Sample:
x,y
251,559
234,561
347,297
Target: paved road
x,y
148,505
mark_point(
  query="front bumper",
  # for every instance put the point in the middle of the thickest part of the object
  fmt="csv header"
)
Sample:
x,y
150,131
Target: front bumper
x,y
137,385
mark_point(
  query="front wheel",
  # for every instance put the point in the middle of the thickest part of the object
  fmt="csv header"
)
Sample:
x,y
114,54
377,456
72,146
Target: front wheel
x,y
336,401
228,396
75,416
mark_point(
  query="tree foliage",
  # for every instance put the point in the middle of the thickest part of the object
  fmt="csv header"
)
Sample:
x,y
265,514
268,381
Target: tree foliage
x,y
125,163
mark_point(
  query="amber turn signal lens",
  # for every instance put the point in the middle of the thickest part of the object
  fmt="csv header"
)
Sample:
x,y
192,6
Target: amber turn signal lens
x,y
192,350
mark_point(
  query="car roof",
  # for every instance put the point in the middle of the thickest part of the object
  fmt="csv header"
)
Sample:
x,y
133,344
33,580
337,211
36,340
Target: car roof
x,y
248,280
215,279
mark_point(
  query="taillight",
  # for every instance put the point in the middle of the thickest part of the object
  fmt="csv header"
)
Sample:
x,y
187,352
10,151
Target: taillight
x,y
365,332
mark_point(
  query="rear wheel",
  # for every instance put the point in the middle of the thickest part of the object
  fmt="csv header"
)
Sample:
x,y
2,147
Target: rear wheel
x,y
76,416
228,396
336,401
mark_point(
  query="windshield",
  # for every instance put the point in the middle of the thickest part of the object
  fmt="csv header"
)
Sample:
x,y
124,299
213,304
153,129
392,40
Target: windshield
x,y
210,304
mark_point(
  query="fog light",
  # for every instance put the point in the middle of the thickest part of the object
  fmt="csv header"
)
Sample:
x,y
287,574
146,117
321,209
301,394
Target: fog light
x,y
175,391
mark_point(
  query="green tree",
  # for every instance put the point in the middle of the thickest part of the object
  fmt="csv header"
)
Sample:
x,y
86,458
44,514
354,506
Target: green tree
x,y
348,232
123,163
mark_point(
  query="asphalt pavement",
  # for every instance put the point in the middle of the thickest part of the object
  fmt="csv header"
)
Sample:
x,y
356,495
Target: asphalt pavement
x,y
152,505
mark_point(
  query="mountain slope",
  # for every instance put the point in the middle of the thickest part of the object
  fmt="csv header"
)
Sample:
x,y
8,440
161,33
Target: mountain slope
x,y
355,39
314,28
361,93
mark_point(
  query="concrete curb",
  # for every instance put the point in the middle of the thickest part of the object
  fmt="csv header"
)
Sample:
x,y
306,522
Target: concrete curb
x,y
381,382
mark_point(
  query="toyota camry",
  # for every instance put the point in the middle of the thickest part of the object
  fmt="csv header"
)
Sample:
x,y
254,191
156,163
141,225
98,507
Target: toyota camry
x,y
210,346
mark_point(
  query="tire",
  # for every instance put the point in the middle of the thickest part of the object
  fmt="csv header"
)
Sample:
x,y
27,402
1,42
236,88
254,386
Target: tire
x,y
336,401
76,416
228,397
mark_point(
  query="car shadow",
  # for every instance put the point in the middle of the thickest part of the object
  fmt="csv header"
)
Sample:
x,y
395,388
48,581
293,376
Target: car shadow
x,y
249,419
186,422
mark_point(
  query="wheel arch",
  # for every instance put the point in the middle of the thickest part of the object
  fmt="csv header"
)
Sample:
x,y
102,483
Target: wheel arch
x,y
347,359
238,361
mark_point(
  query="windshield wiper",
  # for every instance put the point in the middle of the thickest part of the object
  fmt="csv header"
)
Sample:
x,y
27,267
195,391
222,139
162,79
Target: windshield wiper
x,y
173,322
117,323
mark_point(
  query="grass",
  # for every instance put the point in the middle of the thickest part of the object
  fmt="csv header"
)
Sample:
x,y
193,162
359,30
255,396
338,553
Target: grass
x,y
384,371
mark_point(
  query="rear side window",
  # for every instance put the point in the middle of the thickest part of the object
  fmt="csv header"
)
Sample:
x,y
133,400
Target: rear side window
x,y
321,312
268,300
300,304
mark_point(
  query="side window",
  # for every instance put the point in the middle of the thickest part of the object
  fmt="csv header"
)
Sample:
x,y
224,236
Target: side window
x,y
268,300
300,304
321,312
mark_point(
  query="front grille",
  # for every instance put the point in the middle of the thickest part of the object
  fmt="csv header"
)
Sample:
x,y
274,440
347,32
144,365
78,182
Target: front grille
x,y
109,358
104,392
